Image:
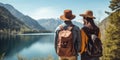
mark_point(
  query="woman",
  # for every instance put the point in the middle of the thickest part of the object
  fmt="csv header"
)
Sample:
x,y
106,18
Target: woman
x,y
90,27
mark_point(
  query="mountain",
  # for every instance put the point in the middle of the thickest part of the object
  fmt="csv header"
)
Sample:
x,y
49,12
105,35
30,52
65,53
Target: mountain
x,y
26,19
9,23
79,24
51,24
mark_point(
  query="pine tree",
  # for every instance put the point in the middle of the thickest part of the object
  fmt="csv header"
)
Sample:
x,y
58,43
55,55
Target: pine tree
x,y
114,4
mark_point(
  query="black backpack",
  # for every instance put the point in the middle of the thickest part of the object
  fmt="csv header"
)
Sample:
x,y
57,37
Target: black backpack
x,y
94,46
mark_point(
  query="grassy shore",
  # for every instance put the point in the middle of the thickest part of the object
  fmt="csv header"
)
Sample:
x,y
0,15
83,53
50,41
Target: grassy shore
x,y
21,57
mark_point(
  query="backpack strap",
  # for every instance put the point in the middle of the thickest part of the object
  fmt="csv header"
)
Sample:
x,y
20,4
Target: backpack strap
x,y
70,27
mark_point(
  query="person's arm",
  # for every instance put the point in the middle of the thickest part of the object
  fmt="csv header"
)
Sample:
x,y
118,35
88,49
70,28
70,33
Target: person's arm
x,y
84,39
56,38
79,40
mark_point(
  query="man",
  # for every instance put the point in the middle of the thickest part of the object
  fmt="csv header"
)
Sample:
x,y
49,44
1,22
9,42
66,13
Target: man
x,y
91,46
67,38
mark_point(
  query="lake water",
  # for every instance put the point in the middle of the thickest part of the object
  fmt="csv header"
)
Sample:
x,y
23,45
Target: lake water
x,y
29,46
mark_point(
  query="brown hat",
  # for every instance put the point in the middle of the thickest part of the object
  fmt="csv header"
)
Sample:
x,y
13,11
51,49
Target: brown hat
x,y
67,15
88,13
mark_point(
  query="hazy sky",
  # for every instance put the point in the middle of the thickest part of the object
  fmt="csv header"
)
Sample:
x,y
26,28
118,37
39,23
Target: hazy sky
x,y
38,9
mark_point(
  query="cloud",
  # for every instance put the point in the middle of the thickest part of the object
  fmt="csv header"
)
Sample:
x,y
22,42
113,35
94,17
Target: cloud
x,y
46,12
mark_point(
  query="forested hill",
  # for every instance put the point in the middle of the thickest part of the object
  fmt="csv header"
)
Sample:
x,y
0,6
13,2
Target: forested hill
x,y
110,29
9,23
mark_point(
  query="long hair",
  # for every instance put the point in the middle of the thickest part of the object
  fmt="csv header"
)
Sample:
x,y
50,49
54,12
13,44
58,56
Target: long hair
x,y
91,22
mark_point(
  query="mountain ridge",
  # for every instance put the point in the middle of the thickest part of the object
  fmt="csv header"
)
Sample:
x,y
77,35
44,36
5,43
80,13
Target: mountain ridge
x,y
32,23
51,24
9,23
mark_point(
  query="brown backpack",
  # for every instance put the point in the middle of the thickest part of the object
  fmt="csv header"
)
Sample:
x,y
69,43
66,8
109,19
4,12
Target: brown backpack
x,y
65,45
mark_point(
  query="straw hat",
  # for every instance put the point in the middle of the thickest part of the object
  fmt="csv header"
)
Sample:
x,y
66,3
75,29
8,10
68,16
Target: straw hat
x,y
67,15
88,13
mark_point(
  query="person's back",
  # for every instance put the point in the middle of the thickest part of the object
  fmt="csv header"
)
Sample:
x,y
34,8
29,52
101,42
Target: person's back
x,y
67,39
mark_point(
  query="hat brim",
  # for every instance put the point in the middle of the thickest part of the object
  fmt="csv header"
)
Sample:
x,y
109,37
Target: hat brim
x,y
67,19
84,15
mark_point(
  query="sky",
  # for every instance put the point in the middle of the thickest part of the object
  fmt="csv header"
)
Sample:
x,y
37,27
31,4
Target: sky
x,y
39,9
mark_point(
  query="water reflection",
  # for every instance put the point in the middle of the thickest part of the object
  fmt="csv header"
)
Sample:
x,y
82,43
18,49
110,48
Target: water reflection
x,y
26,45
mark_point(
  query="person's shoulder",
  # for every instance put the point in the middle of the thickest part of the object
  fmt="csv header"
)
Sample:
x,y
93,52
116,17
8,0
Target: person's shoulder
x,y
59,27
76,28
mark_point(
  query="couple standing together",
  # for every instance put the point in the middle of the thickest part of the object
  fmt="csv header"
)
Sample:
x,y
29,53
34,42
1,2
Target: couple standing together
x,y
70,41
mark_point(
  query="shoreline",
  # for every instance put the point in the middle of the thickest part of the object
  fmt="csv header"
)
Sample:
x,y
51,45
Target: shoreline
x,y
37,34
